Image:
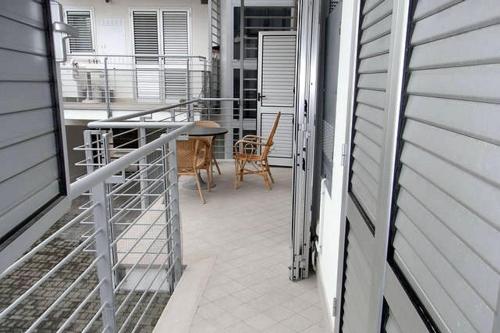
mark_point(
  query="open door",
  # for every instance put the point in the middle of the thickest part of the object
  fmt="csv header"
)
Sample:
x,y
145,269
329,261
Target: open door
x,y
276,92
304,136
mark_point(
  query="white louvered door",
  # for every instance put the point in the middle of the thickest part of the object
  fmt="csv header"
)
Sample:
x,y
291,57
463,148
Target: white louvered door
x,y
366,160
276,92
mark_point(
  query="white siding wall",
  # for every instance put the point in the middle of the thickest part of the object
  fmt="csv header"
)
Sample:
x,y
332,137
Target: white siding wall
x,y
112,22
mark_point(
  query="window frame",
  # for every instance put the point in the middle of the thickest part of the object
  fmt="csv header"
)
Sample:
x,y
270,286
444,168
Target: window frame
x,y
92,29
159,13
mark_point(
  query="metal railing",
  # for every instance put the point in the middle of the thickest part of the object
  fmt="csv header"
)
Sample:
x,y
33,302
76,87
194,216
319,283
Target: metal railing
x,y
220,110
131,82
113,266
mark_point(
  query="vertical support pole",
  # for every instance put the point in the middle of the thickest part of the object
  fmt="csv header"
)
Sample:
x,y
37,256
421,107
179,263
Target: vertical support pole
x,y
89,155
107,94
168,216
106,159
173,195
242,65
142,165
103,251
188,89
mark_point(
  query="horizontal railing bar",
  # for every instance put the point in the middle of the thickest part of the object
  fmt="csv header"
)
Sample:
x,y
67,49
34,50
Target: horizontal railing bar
x,y
119,309
149,303
34,250
61,297
97,124
124,325
100,175
70,319
44,278
94,318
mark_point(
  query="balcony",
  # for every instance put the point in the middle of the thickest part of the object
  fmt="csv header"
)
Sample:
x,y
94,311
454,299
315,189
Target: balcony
x,y
114,261
97,86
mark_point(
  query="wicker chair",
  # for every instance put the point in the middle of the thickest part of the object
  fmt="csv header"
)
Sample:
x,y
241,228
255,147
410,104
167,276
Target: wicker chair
x,y
253,151
192,156
210,124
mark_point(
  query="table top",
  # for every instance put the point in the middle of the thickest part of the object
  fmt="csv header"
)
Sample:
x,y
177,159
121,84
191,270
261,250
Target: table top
x,y
207,131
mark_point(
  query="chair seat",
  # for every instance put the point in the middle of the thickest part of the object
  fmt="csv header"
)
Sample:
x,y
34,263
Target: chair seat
x,y
247,157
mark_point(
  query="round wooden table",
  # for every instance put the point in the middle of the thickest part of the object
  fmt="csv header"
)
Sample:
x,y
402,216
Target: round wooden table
x,y
203,131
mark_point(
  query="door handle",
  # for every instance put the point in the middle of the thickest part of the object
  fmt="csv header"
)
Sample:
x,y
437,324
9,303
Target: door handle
x,y
259,97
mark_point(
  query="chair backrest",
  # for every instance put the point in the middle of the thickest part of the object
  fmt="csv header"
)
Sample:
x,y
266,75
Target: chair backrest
x,y
190,153
270,138
206,123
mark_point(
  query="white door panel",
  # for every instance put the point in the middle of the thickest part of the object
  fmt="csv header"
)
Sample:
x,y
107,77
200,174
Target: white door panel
x,y
276,92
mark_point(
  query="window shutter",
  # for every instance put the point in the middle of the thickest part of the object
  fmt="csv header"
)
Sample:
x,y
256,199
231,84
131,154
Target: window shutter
x,y
447,225
370,112
145,34
175,43
31,158
81,21
175,33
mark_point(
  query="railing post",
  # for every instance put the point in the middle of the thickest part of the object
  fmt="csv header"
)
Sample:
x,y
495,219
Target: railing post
x,y
103,252
107,94
188,90
172,197
106,159
142,165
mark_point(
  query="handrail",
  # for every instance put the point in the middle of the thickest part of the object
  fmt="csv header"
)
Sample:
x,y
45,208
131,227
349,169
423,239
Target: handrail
x,y
119,121
100,175
101,123
137,55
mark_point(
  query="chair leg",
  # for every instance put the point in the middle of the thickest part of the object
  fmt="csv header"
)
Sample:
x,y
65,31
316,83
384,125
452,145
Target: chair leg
x,y
236,171
268,169
217,165
267,182
198,185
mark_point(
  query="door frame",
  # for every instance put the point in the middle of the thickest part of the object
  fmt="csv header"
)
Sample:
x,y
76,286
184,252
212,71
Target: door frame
x,y
307,101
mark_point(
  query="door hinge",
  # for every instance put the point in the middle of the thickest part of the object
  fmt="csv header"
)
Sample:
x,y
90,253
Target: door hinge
x,y
343,160
334,307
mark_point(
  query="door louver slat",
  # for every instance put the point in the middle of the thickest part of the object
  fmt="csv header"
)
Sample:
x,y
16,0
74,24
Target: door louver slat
x,y
369,114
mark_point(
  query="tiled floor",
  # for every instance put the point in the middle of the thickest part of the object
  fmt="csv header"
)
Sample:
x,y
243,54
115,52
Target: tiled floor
x,y
248,232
